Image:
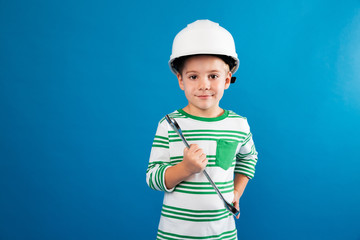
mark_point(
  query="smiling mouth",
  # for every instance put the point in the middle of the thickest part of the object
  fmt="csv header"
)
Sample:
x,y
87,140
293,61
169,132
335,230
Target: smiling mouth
x,y
204,96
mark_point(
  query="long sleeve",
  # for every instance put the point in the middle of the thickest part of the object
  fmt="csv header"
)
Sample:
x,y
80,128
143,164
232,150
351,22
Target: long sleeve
x,y
246,158
159,159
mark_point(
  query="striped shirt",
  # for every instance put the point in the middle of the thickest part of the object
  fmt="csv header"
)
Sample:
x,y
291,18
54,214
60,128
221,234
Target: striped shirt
x,y
192,210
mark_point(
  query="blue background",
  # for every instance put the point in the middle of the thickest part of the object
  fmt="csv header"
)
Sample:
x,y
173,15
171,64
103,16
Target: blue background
x,y
84,83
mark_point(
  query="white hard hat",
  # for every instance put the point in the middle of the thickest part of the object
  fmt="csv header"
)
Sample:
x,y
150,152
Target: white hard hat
x,y
204,37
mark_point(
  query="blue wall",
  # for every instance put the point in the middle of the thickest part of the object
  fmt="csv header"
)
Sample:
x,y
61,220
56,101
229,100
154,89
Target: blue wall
x,y
84,83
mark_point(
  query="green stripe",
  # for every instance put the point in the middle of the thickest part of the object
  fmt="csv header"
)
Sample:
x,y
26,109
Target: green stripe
x,y
150,166
163,142
196,220
160,177
157,178
176,162
208,135
200,139
245,167
151,181
247,139
161,137
193,210
214,237
245,172
197,215
163,178
215,212
207,183
211,130
181,157
197,187
240,163
252,151
247,160
158,162
244,155
250,161
200,193
218,212
160,146
211,160
203,188
209,215
211,163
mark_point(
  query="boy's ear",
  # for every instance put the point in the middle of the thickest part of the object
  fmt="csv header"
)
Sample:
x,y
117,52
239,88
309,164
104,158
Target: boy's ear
x,y
181,82
228,80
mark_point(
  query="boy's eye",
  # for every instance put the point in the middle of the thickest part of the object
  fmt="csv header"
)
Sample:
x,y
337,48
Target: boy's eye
x,y
193,77
213,76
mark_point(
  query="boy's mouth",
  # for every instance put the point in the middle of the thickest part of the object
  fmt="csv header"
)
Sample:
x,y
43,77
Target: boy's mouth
x,y
204,96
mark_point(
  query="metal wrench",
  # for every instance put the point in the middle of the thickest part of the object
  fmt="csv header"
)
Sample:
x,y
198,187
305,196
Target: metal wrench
x,y
175,126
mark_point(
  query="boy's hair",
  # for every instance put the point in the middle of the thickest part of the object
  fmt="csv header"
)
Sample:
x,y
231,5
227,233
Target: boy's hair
x,y
178,63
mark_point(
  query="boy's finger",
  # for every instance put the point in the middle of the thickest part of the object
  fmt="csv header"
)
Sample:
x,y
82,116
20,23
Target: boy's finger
x,y
202,157
194,147
186,150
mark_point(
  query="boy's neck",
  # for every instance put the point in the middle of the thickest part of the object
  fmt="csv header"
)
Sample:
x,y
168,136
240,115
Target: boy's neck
x,y
209,113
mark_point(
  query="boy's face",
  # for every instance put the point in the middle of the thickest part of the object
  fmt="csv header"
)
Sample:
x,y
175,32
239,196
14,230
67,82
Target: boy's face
x,y
204,79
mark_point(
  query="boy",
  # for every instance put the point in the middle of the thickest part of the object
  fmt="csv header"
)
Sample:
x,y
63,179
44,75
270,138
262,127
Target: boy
x,y
204,60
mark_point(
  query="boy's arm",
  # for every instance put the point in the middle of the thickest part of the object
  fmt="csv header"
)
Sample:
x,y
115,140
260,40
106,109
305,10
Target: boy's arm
x,y
159,159
246,160
194,161
240,183
161,174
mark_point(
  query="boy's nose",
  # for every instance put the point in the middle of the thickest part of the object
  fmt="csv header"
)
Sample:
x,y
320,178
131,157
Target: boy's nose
x,y
204,84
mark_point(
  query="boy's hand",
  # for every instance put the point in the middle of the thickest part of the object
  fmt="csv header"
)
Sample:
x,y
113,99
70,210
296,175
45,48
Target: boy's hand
x,y
236,201
194,159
